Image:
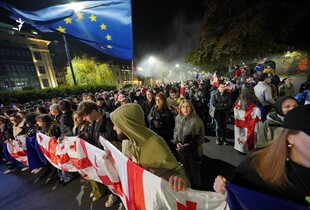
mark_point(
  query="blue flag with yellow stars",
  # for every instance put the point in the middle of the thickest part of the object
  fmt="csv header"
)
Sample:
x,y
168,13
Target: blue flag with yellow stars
x,y
105,25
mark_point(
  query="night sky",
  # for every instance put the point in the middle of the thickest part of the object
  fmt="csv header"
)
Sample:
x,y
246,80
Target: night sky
x,y
167,29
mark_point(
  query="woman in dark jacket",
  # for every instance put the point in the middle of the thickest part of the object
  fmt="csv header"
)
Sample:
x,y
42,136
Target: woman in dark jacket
x,y
148,104
161,120
223,103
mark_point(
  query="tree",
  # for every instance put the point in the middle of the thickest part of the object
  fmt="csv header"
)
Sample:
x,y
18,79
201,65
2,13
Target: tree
x,y
88,71
247,29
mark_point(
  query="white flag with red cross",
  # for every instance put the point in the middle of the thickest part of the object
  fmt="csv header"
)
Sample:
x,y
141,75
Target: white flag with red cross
x,y
18,150
214,80
137,188
146,191
56,152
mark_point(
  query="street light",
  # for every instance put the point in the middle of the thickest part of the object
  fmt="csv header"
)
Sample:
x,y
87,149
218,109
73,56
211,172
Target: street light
x,y
140,69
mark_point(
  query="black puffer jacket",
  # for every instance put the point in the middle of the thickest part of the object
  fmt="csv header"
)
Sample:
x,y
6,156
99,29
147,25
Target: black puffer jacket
x,y
222,102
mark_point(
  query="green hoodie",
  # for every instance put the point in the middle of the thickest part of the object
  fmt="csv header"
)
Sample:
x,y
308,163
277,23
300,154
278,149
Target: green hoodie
x,y
144,146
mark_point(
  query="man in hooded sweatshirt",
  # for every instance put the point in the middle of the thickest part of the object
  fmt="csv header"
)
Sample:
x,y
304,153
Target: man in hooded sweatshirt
x,y
145,147
272,127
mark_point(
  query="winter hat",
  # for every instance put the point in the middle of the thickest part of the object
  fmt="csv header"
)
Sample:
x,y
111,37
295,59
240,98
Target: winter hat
x,y
298,119
278,103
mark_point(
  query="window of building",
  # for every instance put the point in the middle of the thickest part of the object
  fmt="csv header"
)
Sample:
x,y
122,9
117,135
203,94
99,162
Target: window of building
x,y
18,52
42,70
45,83
37,55
7,51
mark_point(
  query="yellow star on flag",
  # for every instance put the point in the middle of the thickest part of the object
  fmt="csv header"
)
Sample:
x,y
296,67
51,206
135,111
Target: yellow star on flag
x,y
109,46
108,37
61,29
103,26
68,20
93,18
79,15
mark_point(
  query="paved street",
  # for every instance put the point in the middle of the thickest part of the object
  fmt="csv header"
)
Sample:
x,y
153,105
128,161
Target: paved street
x,y
25,191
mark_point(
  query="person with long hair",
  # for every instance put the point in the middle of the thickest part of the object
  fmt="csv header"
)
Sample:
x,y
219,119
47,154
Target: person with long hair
x,y
48,126
161,120
282,167
189,136
80,126
247,115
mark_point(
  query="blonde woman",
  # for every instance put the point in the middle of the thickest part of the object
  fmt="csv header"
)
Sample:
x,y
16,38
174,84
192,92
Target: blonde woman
x,y
189,136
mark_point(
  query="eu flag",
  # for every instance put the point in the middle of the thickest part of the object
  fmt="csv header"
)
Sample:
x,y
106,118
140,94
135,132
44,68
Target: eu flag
x,y
105,25
245,199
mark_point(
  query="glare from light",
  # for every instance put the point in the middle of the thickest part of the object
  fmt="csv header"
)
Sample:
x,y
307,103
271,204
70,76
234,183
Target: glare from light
x,y
177,65
76,7
151,59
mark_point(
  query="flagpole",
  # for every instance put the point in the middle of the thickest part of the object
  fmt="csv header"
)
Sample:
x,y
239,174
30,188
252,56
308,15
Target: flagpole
x,y
69,59
132,71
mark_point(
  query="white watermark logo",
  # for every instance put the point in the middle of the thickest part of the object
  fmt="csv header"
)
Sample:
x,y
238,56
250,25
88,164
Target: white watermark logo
x,y
20,24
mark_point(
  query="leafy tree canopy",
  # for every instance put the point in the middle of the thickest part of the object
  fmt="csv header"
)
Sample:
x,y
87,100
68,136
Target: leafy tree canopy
x,y
88,71
247,29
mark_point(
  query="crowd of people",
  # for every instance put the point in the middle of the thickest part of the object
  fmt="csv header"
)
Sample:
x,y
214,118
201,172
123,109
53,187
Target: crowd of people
x,y
158,120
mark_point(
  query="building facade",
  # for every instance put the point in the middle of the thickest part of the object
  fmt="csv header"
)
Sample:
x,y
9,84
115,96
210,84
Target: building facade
x,y
25,61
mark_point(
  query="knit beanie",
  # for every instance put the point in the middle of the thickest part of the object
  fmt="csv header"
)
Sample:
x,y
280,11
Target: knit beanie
x,y
298,119
278,103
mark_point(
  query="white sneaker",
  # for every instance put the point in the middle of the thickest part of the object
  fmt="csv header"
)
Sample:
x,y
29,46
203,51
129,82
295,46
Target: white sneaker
x,y
91,195
38,170
121,206
112,199
95,199
25,168
8,171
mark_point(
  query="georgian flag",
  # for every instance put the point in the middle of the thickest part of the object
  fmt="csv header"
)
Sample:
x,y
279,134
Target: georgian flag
x,y
214,80
56,153
137,188
144,190
17,149
229,86
182,88
247,123
140,189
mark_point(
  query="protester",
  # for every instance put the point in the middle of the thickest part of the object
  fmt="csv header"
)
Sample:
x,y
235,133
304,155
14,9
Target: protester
x,y
161,120
99,126
189,135
287,87
18,128
273,126
247,113
222,102
148,104
263,92
66,125
129,125
48,126
36,159
289,158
